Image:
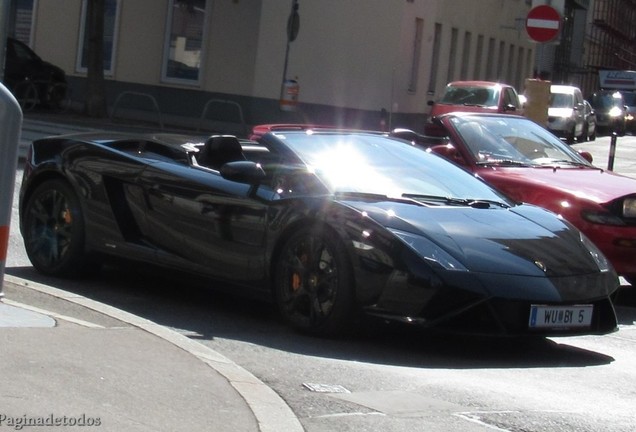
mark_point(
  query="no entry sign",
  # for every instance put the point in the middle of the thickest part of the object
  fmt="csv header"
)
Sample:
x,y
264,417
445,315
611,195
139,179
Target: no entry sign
x,y
543,23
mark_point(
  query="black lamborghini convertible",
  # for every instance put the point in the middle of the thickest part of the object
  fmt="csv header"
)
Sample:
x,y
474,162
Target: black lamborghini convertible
x,y
325,223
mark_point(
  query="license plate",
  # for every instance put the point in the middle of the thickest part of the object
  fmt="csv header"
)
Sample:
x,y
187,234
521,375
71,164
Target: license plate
x,y
560,317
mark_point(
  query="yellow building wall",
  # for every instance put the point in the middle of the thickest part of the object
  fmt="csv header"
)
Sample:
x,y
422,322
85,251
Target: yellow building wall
x,y
56,32
353,54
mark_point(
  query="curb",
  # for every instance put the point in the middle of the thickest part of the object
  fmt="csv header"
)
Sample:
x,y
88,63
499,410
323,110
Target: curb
x,y
271,411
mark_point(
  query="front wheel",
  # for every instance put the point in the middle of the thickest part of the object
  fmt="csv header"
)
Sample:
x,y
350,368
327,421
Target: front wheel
x,y
53,229
26,93
58,95
314,283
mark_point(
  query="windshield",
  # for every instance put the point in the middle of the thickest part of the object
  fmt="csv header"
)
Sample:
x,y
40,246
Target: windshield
x,y
465,95
561,100
375,164
605,101
514,141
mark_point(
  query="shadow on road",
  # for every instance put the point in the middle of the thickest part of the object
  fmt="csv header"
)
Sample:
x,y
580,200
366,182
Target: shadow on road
x,y
207,314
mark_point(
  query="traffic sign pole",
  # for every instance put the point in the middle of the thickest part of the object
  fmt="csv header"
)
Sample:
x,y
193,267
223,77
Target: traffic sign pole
x,y
10,126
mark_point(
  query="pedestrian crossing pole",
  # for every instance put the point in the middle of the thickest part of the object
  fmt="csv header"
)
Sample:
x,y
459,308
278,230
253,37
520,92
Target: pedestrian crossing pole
x,y
612,152
10,126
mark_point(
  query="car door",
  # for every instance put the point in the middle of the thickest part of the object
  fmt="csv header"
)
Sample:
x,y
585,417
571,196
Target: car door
x,y
202,221
579,112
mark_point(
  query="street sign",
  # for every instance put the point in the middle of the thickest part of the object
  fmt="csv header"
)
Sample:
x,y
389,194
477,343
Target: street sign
x,y
543,23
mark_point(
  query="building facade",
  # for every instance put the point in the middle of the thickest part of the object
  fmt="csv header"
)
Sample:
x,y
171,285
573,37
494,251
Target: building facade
x,y
610,39
363,63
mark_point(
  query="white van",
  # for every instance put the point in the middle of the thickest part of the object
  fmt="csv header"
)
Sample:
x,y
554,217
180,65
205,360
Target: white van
x,y
566,113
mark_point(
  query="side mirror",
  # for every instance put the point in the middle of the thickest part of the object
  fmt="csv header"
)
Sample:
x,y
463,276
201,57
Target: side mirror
x,y
447,151
587,156
510,107
430,103
243,172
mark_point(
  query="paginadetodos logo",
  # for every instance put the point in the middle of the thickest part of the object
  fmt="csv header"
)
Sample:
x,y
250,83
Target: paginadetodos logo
x,y
20,422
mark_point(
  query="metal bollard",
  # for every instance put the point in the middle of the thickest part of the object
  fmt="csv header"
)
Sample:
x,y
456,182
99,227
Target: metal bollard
x,y
612,153
10,126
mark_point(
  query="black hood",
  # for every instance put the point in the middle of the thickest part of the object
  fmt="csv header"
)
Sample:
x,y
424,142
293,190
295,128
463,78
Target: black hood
x,y
523,240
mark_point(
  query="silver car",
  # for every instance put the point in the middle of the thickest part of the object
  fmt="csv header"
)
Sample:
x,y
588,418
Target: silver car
x,y
566,113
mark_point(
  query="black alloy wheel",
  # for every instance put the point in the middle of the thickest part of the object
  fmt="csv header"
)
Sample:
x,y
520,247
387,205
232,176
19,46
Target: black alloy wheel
x,y
54,231
313,283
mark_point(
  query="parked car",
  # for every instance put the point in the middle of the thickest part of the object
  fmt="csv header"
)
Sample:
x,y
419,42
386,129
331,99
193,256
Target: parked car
x,y
321,222
589,129
629,97
566,113
474,96
27,76
611,111
529,164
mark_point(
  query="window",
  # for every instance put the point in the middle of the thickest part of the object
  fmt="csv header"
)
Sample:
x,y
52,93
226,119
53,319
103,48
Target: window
x,y
452,55
510,98
500,61
435,58
489,60
465,56
111,18
478,57
417,49
529,59
520,71
184,41
21,21
511,64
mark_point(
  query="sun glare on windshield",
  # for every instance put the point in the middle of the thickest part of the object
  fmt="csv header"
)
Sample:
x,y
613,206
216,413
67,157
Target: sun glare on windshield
x,y
348,169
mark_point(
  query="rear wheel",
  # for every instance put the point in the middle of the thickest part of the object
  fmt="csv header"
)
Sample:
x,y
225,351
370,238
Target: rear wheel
x,y
570,137
53,226
314,284
26,93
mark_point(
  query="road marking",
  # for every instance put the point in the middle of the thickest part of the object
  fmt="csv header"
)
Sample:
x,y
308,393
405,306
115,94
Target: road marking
x,y
52,314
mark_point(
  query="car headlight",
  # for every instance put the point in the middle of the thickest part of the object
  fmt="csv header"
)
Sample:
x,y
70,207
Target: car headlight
x,y
602,218
429,251
598,257
629,207
615,112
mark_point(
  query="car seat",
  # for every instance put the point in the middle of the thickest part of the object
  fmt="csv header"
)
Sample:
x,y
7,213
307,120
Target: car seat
x,y
219,150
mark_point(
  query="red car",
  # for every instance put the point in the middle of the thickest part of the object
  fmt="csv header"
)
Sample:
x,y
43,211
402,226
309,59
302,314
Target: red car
x,y
530,164
474,96
260,130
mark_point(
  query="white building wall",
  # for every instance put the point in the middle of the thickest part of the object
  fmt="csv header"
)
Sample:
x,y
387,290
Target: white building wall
x,y
344,54
140,41
349,53
55,31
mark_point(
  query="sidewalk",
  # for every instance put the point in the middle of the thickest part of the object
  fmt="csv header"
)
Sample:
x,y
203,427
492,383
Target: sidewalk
x,y
119,371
